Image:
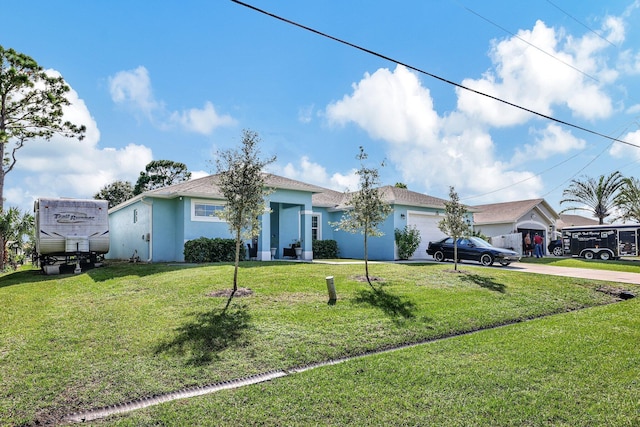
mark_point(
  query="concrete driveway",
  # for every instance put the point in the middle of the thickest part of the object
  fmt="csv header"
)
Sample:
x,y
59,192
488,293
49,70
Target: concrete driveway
x,y
611,276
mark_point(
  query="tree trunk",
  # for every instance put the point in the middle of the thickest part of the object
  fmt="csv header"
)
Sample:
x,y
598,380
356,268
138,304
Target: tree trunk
x,y
455,254
366,260
235,270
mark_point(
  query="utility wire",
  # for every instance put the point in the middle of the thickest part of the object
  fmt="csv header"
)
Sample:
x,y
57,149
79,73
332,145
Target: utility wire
x,y
530,44
584,25
442,79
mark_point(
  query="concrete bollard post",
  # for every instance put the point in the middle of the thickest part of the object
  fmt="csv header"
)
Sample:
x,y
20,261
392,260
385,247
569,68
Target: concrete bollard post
x,y
331,288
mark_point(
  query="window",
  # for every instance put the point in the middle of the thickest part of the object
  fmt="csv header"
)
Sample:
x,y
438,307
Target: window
x,y
205,211
316,232
135,216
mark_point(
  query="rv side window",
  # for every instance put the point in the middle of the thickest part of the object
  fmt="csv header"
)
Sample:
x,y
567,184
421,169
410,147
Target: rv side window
x,y
135,216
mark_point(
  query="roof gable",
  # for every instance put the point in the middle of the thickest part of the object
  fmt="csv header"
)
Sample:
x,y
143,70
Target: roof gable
x,y
508,212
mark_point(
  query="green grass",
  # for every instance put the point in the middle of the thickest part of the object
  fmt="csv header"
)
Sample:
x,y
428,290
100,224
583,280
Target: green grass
x,y
126,331
575,369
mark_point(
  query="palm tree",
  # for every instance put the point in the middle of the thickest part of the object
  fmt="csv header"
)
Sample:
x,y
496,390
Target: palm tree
x,y
628,200
597,197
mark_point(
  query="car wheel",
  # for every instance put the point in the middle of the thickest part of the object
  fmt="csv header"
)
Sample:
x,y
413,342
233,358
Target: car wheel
x,y
558,251
605,256
504,263
486,259
588,255
439,256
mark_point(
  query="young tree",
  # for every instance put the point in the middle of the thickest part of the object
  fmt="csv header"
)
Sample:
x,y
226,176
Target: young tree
x,y
453,223
242,182
594,196
115,193
367,208
31,106
161,173
628,200
13,227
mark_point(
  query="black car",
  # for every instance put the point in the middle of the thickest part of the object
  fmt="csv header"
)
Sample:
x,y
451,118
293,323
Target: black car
x,y
555,247
472,248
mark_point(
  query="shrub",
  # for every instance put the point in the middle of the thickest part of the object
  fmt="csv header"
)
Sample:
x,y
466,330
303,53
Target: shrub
x,y
408,240
204,249
325,249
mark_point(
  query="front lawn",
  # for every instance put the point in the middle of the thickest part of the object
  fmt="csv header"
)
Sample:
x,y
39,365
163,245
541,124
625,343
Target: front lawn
x,y
126,331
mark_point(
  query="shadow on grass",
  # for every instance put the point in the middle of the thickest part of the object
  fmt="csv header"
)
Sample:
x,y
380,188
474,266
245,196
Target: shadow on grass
x,y
392,305
207,334
22,277
484,282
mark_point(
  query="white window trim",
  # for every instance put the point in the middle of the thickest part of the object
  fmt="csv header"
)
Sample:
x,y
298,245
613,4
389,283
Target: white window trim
x,y
214,218
319,216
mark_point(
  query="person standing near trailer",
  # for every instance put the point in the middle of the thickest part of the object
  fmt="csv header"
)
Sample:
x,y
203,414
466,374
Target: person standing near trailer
x,y
537,242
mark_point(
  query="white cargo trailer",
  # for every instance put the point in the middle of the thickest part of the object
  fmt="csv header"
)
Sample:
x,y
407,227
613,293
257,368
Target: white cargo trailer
x,y
70,231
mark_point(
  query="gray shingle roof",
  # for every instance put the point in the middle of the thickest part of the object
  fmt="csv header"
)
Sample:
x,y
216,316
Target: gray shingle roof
x,y
390,194
497,213
579,220
207,187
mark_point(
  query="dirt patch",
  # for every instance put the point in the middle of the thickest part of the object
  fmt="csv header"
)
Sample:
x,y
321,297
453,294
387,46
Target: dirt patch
x,y
372,278
456,271
618,293
241,292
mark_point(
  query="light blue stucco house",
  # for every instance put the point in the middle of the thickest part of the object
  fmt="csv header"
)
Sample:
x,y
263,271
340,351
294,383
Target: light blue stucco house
x,y
155,225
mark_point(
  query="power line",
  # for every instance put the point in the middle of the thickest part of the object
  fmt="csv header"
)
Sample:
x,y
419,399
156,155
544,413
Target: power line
x,y
442,79
530,44
584,25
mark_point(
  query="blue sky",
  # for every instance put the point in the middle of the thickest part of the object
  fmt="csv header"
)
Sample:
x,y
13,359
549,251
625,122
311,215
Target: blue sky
x,y
179,81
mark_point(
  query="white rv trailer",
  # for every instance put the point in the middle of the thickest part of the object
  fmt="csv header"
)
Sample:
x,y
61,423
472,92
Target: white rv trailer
x,y
71,230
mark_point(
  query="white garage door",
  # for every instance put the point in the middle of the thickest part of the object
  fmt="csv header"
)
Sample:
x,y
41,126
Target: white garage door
x,y
429,231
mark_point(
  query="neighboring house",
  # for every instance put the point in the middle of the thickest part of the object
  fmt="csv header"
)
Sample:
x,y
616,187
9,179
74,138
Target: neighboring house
x,y
571,220
155,225
524,216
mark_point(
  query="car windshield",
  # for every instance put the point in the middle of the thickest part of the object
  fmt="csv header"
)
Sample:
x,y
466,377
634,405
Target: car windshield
x,y
478,242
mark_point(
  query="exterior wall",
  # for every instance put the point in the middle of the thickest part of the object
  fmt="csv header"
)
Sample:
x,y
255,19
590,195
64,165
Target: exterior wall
x,y
491,230
164,235
130,230
352,245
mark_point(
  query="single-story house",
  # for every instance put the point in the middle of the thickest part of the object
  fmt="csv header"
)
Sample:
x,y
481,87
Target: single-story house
x,y
509,218
577,220
155,225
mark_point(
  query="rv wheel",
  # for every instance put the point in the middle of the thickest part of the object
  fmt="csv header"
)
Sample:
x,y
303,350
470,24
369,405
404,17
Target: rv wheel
x,y
588,255
605,256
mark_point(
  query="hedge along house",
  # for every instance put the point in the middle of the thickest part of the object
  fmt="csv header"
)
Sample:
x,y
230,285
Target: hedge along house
x,y
155,225
524,216
409,208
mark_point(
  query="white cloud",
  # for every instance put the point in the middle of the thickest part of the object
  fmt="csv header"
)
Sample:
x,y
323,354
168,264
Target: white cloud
x,y
314,173
548,142
624,151
202,121
133,89
539,78
305,114
392,106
